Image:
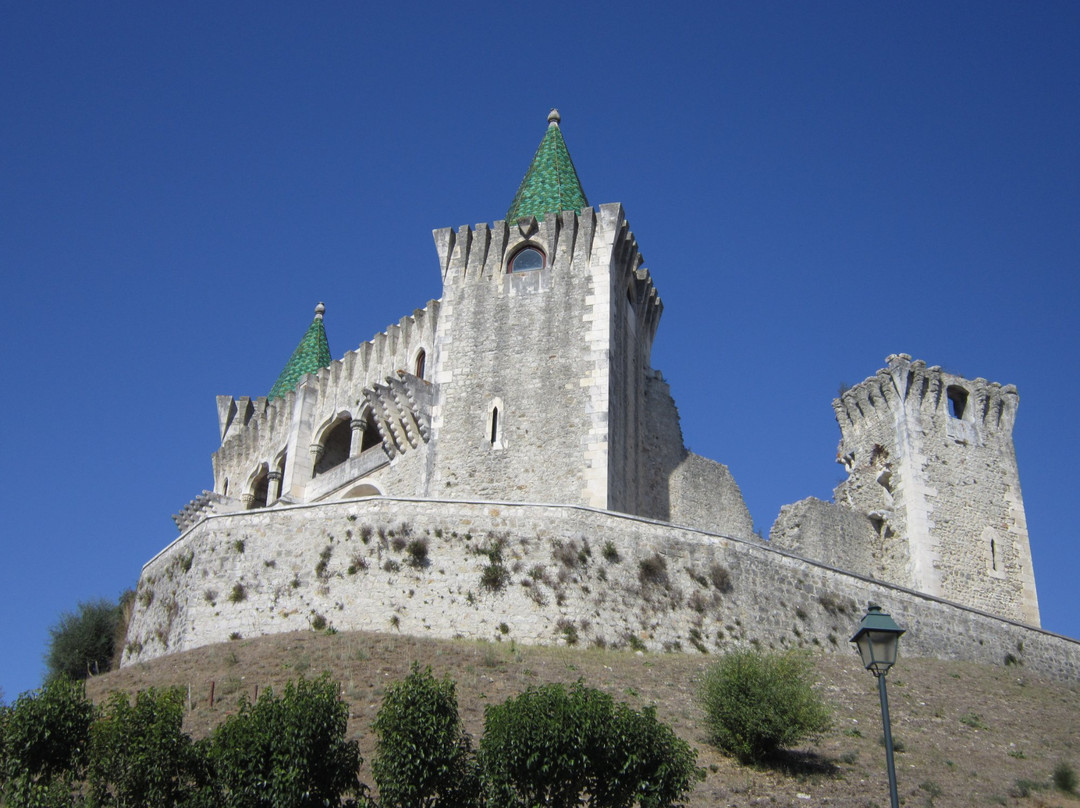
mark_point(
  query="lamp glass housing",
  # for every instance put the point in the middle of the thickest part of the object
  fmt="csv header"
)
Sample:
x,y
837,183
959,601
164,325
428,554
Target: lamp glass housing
x,y
878,650
877,641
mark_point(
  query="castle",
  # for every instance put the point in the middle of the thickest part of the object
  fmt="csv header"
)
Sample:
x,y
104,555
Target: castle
x,y
505,461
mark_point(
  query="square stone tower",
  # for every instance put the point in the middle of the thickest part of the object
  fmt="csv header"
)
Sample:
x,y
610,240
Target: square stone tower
x,y
542,357
930,460
542,360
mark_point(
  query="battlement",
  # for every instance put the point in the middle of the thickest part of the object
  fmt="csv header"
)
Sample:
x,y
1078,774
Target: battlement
x,y
989,406
469,253
570,240
241,418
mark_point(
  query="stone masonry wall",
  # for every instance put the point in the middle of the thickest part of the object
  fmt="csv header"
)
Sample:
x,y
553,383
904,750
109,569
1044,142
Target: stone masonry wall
x,y
829,533
542,574
705,496
560,353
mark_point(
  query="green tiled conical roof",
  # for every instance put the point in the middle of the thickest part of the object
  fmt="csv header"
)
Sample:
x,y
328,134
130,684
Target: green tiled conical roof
x,y
551,184
312,353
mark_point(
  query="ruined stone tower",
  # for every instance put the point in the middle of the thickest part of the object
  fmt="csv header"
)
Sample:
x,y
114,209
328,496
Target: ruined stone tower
x,y
931,463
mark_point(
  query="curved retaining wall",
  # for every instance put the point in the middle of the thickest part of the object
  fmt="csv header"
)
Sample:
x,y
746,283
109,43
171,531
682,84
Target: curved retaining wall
x,y
537,574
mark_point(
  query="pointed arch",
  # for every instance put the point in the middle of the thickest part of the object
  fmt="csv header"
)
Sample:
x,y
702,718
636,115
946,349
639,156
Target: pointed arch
x,y
336,441
257,488
496,424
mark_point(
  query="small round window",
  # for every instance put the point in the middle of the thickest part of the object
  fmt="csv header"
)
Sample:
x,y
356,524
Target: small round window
x,y
526,260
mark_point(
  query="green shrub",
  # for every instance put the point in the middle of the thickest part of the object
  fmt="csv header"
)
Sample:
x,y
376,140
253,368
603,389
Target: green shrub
x,y
139,754
45,735
423,757
287,752
1025,788
756,703
82,643
549,746
1064,777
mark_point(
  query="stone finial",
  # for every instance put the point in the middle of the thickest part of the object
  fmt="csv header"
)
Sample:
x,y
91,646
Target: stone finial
x,y
554,117
320,309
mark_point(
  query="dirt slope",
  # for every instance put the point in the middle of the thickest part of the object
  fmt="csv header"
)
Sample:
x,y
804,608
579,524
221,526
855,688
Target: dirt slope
x,y
971,735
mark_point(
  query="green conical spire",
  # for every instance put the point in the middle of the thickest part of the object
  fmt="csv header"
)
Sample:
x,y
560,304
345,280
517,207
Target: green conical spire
x,y
312,353
551,184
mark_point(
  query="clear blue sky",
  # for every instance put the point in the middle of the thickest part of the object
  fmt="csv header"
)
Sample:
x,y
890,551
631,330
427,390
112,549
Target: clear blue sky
x,y
813,185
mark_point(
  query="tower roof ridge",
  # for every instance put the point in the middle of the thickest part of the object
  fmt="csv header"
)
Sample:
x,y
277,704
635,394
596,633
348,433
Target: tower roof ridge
x,y
310,355
551,184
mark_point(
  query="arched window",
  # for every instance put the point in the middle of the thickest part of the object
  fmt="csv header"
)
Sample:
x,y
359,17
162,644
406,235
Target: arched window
x,y
421,359
335,447
494,425
260,491
527,259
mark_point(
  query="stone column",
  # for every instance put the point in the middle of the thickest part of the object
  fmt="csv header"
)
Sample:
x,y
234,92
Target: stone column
x,y
357,425
273,487
317,450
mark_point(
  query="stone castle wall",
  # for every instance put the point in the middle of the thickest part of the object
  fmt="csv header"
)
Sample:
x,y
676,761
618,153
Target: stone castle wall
x,y
829,533
542,574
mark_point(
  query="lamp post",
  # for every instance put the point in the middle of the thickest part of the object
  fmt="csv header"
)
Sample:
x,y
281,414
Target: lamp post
x,y
877,640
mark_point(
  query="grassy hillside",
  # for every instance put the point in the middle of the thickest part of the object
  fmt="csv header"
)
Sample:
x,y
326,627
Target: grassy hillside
x,y
971,734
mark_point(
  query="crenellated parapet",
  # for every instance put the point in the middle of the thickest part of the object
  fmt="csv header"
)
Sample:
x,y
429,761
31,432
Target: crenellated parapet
x,y
253,438
571,241
471,253
934,393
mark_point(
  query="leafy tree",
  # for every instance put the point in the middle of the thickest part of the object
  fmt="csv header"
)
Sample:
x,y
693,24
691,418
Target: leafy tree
x,y
82,642
551,747
287,752
45,736
756,703
645,761
423,757
139,754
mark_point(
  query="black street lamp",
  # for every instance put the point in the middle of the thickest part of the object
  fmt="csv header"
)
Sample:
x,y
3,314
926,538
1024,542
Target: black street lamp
x,y
877,641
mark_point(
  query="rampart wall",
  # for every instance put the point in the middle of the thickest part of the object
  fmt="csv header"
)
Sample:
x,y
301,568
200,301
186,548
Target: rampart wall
x,y
540,574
